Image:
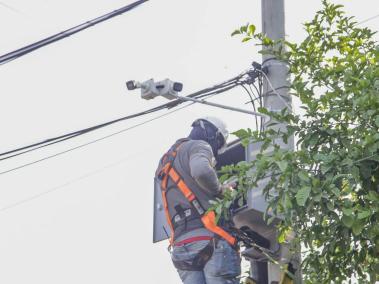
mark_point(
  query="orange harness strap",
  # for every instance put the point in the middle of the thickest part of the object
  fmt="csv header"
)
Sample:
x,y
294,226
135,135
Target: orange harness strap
x,y
164,199
209,221
207,218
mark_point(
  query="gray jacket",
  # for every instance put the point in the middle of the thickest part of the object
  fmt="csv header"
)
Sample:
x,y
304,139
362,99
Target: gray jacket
x,y
195,164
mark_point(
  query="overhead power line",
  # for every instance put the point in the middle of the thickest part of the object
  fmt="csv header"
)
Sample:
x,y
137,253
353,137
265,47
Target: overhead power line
x,y
368,19
10,8
211,92
46,41
54,189
227,85
91,142
73,181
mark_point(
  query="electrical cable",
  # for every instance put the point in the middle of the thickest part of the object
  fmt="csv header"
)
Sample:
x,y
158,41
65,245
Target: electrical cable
x,y
36,196
102,138
260,88
227,85
10,8
91,142
268,93
274,91
88,143
71,135
254,75
215,92
259,98
369,19
256,89
75,180
51,39
251,98
267,60
259,93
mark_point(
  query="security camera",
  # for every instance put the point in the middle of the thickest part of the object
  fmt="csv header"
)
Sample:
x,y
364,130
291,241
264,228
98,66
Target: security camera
x,y
151,89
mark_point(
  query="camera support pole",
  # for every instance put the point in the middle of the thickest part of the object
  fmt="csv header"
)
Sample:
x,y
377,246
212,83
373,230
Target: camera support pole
x,y
204,102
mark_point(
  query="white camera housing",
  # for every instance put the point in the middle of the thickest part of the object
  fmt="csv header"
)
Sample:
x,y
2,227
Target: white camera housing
x,y
165,88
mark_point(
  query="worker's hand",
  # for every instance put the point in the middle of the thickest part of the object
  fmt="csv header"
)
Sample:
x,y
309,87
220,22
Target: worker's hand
x,y
228,187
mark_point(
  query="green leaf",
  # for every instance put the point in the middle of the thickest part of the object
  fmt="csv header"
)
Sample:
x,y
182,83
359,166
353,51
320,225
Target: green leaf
x,y
266,41
263,110
373,232
336,191
282,237
347,220
228,203
330,206
355,172
303,175
364,214
243,29
347,211
317,197
236,32
302,195
251,29
282,165
218,209
287,201
377,120
241,133
357,228
246,39
372,196
270,220
365,171
245,142
212,202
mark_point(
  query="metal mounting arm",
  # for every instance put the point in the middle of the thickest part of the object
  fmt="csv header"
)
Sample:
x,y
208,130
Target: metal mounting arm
x,y
189,99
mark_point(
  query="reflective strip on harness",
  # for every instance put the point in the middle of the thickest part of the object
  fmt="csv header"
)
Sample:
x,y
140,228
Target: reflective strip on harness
x,y
193,239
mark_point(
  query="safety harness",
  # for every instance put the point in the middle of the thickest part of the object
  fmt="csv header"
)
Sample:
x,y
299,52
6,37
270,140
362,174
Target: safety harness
x,y
168,171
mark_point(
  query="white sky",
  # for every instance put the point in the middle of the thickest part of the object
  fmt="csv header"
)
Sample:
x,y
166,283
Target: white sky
x,y
97,226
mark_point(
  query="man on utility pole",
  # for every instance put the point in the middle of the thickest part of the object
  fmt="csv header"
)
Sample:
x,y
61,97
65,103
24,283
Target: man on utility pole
x,y
203,251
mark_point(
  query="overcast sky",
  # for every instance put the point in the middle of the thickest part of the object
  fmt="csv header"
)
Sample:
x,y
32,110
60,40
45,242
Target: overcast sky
x,y
96,225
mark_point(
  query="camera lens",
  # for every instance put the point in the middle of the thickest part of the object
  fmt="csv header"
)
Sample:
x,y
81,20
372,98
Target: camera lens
x,y
130,85
178,87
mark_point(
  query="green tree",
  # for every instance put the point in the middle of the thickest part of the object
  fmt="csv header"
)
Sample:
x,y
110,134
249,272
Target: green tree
x,y
328,188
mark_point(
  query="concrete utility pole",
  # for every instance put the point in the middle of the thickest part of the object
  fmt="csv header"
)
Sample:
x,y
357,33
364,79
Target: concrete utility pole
x,y
273,23
273,26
